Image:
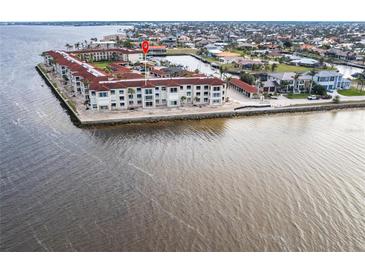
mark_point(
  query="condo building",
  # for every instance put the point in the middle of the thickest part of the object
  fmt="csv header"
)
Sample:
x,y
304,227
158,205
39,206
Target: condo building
x,y
102,92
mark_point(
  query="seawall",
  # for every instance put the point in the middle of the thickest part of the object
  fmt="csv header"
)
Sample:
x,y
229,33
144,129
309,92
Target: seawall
x,y
88,121
223,114
64,101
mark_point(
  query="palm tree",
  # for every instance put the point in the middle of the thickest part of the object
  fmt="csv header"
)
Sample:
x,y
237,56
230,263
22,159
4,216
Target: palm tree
x,y
222,70
296,77
228,79
284,85
312,73
360,80
131,91
182,99
68,46
274,67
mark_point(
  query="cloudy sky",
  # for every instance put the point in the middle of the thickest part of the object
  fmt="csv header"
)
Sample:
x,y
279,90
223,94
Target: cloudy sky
x,y
230,10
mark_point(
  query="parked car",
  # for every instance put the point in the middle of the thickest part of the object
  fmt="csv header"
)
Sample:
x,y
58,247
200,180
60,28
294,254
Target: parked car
x,y
312,97
326,97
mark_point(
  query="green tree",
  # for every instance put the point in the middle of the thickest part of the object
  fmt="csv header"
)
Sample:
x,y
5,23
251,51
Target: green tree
x,y
312,73
296,77
247,77
183,99
318,89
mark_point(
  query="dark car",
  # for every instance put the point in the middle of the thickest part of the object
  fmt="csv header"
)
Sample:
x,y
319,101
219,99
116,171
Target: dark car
x,y
326,97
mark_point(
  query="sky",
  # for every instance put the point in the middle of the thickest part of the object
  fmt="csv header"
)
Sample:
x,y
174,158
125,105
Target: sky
x,y
185,10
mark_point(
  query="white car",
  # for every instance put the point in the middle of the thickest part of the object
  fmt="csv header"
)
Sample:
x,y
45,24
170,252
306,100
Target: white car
x,y
312,97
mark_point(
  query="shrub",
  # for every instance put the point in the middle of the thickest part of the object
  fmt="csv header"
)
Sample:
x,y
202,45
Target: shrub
x,y
336,99
318,89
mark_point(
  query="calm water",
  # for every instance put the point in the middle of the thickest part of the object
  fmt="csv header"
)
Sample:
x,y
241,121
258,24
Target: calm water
x,y
278,183
191,63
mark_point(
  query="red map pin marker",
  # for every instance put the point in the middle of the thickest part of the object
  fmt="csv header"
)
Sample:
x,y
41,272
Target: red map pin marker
x,y
145,47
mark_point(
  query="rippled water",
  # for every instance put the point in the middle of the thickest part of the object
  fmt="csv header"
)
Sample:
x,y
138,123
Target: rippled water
x,y
278,183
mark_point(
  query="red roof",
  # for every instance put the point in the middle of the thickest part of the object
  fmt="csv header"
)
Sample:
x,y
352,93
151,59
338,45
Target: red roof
x,y
120,50
243,85
157,47
76,68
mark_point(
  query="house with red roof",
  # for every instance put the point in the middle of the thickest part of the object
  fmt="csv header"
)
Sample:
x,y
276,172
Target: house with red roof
x,y
157,51
243,87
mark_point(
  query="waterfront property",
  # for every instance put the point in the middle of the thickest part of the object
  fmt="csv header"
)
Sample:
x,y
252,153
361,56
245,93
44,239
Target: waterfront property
x,y
102,92
297,83
163,92
111,54
157,51
242,87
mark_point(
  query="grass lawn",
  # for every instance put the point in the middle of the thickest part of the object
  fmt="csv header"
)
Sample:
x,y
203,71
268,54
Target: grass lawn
x,y
289,68
181,51
352,92
211,59
102,64
297,96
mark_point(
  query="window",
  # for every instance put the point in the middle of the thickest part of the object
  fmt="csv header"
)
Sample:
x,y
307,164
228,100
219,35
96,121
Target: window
x,y
121,98
139,102
149,104
206,87
78,89
104,107
216,101
173,90
122,104
198,94
93,93
181,87
157,88
188,93
216,94
139,95
205,100
114,104
173,103
148,91
163,101
197,100
216,88
130,103
148,97
138,89
95,106
157,95
188,87
121,91
206,93
198,87
112,92
130,96
157,101
163,88
103,94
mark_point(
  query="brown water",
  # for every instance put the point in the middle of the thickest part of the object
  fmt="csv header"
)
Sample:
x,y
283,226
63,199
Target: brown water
x,y
275,183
